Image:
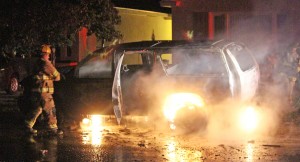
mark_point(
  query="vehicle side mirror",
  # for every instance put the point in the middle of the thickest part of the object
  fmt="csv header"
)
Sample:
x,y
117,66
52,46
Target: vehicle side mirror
x,y
125,68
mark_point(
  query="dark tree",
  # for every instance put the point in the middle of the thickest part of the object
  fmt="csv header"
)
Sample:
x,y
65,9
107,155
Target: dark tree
x,y
26,24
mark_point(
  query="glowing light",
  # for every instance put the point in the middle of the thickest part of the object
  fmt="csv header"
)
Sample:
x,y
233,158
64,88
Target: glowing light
x,y
85,121
178,101
178,3
96,122
249,151
93,122
188,35
172,126
249,119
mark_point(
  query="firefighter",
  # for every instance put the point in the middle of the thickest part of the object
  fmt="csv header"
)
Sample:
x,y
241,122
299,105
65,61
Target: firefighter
x,y
38,88
268,68
292,69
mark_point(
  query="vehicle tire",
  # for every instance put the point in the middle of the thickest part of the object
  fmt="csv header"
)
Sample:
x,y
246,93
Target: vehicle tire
x,y
13,85
191,120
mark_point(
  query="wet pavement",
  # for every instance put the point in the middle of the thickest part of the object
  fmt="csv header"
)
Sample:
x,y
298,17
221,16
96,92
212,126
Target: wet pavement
x,y
135,143
141,141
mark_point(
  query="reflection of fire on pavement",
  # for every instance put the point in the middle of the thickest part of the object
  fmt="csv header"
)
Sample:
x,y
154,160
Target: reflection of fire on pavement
x,y
93,126
94,138
175,153
249,151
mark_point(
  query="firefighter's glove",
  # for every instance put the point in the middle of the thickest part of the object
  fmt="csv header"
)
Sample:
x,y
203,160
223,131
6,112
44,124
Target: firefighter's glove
x,y
51,71
49,68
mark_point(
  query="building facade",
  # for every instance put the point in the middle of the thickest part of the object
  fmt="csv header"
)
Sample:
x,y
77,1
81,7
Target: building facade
x,y
136,25
251,21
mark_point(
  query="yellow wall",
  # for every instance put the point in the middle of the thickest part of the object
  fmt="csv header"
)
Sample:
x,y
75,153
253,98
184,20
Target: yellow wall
x,y
138,25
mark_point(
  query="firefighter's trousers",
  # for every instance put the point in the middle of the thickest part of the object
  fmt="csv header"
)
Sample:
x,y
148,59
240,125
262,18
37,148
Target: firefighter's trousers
x,y
41,103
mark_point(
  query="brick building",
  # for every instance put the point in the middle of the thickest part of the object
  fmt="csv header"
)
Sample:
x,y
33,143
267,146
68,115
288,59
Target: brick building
x,y
276,21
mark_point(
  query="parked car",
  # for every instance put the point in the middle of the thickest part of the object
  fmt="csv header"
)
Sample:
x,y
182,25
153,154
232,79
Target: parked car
x,y
183,79
12,71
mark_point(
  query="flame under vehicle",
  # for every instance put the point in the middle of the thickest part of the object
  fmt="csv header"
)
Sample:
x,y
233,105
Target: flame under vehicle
x,y
180,81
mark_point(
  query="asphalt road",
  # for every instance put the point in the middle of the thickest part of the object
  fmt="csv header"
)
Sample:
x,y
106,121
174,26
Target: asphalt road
x,y
141,140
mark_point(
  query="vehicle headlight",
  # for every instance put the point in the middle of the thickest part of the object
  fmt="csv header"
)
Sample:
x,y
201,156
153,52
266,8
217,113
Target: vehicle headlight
x,y
249,119
178,101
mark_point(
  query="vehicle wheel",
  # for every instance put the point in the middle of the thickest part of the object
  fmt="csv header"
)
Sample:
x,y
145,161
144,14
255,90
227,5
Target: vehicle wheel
x,y
13,85
191,120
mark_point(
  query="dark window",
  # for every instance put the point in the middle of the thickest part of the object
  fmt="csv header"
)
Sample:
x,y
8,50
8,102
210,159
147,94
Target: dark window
x,y
69,51
200,25
58,53
281,21
220,26
263,23
250,26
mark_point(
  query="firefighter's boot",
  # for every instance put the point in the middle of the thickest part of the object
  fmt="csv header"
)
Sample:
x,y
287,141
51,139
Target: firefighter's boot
x,y
56,132
31,131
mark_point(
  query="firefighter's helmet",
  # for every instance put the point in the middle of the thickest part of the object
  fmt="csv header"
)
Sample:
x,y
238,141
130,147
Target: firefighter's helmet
x,y
46,49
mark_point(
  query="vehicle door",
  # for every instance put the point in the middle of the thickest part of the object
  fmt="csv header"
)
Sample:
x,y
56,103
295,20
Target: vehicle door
x,y
117,92
129,64
245,70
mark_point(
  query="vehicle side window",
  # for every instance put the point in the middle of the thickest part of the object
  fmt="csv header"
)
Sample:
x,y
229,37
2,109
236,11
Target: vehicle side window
x,y
98,66
132,59
242,56
138,61
166,59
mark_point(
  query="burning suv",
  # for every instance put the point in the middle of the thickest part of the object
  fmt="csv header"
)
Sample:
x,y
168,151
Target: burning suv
x,y
180,81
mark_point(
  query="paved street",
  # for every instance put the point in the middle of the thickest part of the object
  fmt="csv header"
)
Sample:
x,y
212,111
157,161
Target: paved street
x,y
141,140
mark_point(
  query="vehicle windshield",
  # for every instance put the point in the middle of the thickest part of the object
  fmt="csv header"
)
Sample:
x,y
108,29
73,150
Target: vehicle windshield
x,y
194,62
